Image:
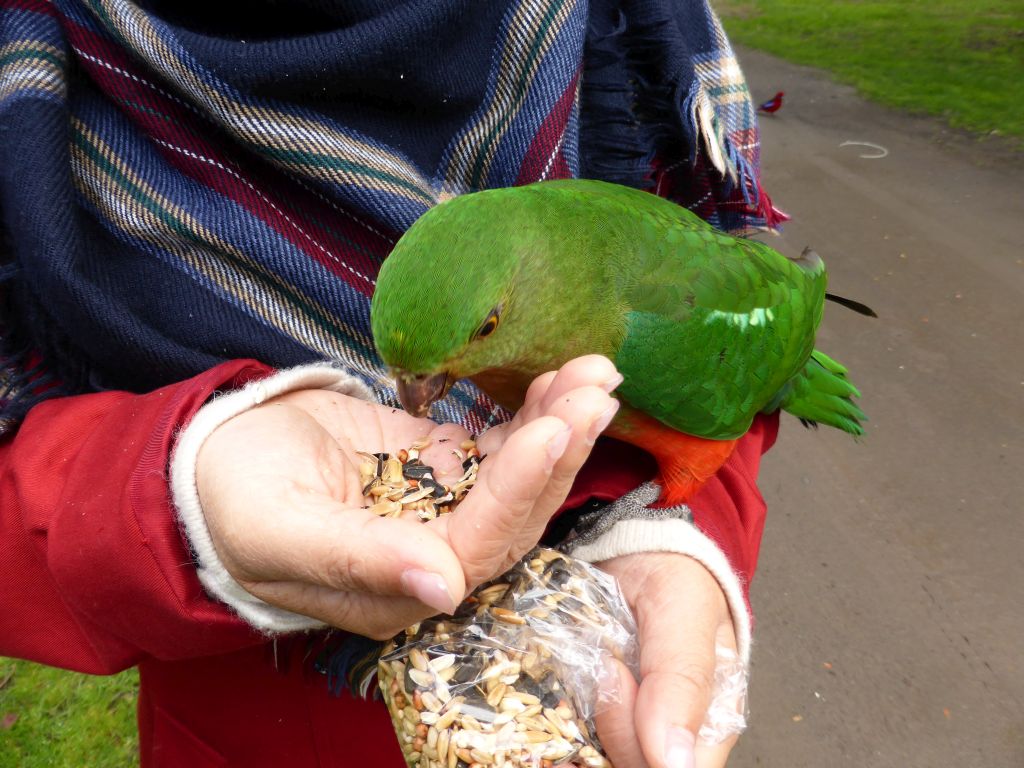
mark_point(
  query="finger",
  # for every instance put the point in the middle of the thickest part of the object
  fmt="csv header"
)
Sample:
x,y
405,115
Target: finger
x,y
440,454
678,614
491,440
369,615
670,707
486,523
585,411
320,542
589,370
713,755
615,723
535,393
588,410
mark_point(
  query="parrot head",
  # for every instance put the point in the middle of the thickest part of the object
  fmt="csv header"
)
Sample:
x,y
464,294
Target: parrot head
x,y
448,304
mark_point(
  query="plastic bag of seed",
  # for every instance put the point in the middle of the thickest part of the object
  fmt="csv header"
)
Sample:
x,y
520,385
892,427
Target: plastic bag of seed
x,y
514,677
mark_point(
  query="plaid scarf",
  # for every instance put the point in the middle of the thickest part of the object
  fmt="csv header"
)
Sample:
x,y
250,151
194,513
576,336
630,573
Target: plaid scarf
x,y
183,183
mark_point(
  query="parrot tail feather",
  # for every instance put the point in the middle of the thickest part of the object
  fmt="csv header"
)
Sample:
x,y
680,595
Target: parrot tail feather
x,y
822,393
856,306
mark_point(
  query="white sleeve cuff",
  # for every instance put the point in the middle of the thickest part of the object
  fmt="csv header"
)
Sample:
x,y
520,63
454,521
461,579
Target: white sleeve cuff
x,y
629,537
212,573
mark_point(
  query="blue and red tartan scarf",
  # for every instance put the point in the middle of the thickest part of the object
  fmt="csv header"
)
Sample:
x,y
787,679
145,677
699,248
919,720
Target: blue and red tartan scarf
x,y
183,183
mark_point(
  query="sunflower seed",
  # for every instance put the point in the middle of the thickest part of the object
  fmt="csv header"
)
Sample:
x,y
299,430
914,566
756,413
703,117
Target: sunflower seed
x,y
422,679
428,717
386,508
415,494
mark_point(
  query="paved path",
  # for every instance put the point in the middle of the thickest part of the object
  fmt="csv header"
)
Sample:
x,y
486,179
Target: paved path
x,y
890,595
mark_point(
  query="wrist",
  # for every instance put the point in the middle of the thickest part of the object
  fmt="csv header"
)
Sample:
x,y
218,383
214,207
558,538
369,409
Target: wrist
x,y
658,573
185,476
629,526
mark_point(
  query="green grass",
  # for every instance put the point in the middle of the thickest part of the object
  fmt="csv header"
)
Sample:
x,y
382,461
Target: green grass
x,y
962,60
53,718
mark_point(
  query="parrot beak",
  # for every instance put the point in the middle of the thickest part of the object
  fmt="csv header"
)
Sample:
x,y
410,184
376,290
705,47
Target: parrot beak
x,y
417,393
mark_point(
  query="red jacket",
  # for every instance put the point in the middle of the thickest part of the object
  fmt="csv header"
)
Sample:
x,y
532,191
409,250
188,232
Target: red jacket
x,y
95,576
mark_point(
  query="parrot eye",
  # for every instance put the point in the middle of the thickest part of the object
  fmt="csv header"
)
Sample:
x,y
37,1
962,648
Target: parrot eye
x,y
489,324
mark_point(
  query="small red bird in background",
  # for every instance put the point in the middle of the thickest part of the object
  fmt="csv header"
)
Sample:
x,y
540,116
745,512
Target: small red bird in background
x,y
772,105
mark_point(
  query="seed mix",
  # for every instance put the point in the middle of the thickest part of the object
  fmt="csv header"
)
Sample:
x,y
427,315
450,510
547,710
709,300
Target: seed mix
x,y
511,679
393,484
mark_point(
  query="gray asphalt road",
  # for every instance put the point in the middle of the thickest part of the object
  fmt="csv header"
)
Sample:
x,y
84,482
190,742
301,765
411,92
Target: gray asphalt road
x,y
890,595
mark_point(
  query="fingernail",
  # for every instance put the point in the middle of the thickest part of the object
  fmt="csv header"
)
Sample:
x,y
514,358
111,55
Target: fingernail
x,y
679,748
598,425
610,385
557,444
429,588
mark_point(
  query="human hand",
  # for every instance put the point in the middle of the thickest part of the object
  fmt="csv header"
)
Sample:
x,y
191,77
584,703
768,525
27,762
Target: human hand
x,y
681,614
280,490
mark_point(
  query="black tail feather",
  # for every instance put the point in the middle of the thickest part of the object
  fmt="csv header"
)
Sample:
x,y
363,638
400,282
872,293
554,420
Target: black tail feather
x,y
856,306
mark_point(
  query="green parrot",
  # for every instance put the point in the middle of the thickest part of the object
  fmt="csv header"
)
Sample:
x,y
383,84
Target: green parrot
x,y
707,329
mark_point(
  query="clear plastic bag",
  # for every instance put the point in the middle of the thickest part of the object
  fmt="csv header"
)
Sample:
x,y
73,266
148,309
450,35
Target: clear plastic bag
x,y
514,677
727,713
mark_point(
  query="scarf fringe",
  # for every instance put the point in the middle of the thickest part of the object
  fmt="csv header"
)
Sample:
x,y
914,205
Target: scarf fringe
x,y
350,663
699,111
24,383
25,379
735,169
627,123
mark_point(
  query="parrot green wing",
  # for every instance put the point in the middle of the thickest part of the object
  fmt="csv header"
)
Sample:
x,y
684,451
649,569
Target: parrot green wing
x,y
716,325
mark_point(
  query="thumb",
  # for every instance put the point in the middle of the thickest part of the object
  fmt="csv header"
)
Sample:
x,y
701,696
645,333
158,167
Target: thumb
x,y
677,621
669,711
614,721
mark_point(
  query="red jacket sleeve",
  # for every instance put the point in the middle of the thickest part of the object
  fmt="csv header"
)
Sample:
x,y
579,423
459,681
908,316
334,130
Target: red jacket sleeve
x,y
94,572
730,509
96,576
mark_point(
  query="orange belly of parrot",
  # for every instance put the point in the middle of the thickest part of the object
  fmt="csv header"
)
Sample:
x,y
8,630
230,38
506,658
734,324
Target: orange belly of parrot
x,y
685,462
